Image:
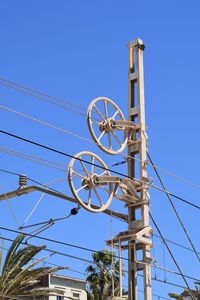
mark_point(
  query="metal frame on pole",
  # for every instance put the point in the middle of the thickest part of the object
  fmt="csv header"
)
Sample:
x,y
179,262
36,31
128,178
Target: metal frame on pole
x,y
137,147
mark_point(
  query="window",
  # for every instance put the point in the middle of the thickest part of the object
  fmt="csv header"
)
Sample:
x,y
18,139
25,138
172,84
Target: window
x,y
60,298
76,295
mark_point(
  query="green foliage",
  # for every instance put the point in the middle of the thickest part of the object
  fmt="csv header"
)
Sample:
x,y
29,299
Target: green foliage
x,y
19,277
186,293
175,296
99,279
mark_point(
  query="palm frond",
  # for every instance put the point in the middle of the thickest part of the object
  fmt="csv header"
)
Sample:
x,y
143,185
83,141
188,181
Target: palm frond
x,y
13,248
175,296
44,291
19,260
26,275
1,255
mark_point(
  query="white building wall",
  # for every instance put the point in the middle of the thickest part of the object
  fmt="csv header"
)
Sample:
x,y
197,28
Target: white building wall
x,y
71,287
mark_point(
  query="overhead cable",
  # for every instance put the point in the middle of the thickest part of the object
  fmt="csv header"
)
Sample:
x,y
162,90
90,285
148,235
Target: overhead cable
x,y
96,165
64,254
89,250
93,142
83,273
9,205
174,208
172,256
176,244
24,89
34,92
61,130
156,235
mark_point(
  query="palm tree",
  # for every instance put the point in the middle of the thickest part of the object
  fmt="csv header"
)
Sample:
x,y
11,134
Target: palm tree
x,y
101,275
18,275
186,293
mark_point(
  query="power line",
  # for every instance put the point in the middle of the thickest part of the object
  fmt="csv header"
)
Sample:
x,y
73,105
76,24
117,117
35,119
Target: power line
x,y
91,262
22,88
175,243
49,188
93,142
45,100
41,184
32,158
96,165
62,130
45,162
9,205
64,254
30,179
172,256
82,273
73,212
44,261
48,249
174,208
89,250
181,274
47,124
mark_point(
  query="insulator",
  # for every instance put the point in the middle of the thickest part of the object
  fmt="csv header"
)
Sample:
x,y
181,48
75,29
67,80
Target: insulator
x,y
22,181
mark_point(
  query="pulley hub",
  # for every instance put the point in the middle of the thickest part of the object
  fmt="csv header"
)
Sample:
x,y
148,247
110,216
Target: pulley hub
x,y
107,125
90,182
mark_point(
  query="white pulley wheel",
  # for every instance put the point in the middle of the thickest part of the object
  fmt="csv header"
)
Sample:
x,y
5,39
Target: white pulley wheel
x,y
102,115
82,176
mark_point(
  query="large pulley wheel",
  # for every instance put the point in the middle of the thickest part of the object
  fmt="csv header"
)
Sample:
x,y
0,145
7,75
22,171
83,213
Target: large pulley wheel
x,y
84,185
102,117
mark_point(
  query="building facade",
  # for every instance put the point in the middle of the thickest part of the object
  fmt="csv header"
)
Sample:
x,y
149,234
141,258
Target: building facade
x,y
72,288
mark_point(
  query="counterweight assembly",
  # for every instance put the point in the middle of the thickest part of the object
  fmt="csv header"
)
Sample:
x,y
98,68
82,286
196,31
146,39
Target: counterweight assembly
x,y
113,133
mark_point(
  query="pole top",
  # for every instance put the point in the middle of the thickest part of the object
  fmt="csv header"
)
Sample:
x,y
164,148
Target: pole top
x,y
137,43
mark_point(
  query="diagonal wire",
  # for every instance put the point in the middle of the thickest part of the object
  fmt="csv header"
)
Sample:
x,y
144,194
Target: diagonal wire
x,y
10,206
101,167
39,230
172,256
33,92
33,210
83,273
23,88
47,124
174,208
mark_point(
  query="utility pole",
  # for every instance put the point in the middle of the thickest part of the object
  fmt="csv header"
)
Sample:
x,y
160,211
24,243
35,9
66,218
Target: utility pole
x,y
88,185
137,148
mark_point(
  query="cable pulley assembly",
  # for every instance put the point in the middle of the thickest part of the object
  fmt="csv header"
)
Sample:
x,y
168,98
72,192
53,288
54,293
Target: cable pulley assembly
x,y
107,125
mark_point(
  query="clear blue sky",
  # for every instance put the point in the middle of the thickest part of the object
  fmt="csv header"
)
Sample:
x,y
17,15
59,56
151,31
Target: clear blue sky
x,y
77,50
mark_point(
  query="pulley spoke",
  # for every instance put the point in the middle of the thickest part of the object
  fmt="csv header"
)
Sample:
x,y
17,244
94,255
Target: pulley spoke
x,y
89,197
106,109
77,174
115,114
101,135
98,197
92,167
116,138
81,188
98,111
84,168
109,140
95,122
102,173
